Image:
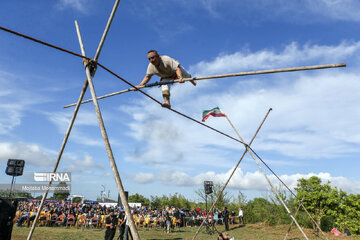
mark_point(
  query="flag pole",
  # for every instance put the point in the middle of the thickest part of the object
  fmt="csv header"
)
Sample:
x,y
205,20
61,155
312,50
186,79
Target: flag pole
x,y
268,180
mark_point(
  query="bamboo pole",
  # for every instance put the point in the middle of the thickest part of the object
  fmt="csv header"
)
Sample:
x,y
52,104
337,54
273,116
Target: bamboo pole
x,y
220,76
232,173
67,134
317,225
296,213
268,180
114,168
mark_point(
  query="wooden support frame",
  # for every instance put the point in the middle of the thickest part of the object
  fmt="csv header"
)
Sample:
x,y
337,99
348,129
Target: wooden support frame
x,y
232,173
88,81
269,182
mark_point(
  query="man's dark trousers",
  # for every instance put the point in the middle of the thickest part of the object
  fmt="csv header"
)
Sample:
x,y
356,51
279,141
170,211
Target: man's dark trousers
x,y
110,234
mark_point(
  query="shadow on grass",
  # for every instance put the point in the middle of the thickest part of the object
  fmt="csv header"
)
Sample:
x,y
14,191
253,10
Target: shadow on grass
x,y
165,238
237,227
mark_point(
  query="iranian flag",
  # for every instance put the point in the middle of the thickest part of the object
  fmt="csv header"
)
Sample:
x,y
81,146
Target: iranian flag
x,y
215,112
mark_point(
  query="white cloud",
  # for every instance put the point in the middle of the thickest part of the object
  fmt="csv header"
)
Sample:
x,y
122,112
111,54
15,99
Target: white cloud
x,y
14,102
144,178
33,154
292,55
62,119
240,181
84,164
313,116
336,9
79,132
79,5
172,140
303,10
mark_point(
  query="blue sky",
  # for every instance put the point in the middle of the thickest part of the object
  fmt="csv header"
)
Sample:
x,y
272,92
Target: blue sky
x,y
313,129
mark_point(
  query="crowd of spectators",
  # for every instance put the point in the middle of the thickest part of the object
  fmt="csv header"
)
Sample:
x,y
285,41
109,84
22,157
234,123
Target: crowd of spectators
x,y
93,215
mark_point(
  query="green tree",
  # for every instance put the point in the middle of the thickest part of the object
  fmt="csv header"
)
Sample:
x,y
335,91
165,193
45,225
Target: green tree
x,y
260,210
239,201
60,194
280,213
348,213
319,199
224,198
76,200
155,202
137,198
15,194
176,200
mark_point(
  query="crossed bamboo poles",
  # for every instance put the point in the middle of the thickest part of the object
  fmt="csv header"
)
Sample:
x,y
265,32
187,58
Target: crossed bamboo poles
x,y
88,81
268,180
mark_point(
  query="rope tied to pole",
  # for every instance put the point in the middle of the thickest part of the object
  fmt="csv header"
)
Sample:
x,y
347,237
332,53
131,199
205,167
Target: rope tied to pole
x,y
91,64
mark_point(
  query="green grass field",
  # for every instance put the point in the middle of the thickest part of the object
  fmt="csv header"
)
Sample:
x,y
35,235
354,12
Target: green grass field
x,y
250,231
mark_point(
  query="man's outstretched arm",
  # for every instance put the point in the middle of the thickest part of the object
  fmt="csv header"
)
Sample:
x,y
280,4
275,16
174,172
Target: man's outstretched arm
x,y
179,75
145,80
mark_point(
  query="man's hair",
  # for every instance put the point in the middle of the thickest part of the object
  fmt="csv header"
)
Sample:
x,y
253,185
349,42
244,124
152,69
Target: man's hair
x,y
152,50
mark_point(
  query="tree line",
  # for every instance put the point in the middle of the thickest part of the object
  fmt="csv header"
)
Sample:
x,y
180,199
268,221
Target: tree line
x,y
329,206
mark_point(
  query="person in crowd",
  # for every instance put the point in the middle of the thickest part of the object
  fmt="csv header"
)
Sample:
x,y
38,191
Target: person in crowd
x,y
121,225
31,218
168,222
127,229
241,216
216,217
24,216
225,214
232,217
110,224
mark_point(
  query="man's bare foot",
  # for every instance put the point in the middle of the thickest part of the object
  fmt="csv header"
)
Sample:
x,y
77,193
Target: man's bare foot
x,y
193,82
166,105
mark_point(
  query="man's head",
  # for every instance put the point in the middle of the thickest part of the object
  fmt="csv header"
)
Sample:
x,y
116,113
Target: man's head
x,y
153,57
112,212
223,236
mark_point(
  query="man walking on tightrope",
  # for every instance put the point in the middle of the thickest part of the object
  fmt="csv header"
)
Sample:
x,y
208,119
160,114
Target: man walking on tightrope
x,y
167,69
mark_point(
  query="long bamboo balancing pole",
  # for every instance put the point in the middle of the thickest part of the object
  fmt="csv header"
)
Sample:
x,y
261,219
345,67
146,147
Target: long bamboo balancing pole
x,y
114,168
221,76
232,173
67,134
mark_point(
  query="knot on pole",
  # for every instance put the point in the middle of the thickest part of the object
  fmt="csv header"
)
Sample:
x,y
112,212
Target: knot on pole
x,y
92,65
